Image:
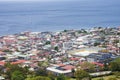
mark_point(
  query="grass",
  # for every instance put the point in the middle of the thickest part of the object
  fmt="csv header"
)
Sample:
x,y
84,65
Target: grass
x,y
72,79
105,77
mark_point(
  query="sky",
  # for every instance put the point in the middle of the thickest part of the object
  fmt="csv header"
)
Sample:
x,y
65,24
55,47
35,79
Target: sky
x,y
35,0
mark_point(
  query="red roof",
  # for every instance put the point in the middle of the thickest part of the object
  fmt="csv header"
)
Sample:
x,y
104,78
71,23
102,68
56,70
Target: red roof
x,y
99,64
61,65
2,63
68,67
74,59
19,62
2,52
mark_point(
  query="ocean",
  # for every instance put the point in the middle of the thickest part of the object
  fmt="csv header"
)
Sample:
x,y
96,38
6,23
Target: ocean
x,y
17,17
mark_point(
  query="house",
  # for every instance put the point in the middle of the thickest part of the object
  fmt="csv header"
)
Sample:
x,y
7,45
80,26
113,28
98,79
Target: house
x,y
2,78
18,62
61,69
100,57
2,63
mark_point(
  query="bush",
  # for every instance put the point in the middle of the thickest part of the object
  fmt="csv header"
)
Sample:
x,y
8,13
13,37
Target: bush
x,y
112,78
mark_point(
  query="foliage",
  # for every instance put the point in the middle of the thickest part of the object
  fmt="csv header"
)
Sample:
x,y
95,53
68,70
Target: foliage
x,y
73,72
56,48
38,78
65,30
112,78
101,78
116,41
41,72
83,31
61,77
96,43
51,76
81,74
86,65
106,67
43,64
7,50
104,51
79,31
48,42
17,75
117,74
115,65
11,70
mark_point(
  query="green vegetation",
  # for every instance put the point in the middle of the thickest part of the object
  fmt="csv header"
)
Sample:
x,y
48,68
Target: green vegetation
x,y
14,72
81,74
82,31
116,41
38,78
48,42
41,72
96,43
115,65
17,75
7,50
62,77
56,48
110,77
88,66
117,74
65,31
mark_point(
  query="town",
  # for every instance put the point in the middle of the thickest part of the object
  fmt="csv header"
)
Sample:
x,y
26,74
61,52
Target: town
x,y
60,53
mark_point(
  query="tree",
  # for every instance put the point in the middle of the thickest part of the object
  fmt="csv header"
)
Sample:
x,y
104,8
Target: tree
x,y
88,66
40,64
51,76
17,75
11,69
73,72
115,65
83,31
56,48
81,74
41,72
48,42
38,78
101,78
116,41
104,51
61,77
79,31
99,27
106,66
7,50
96,43
112,78
117,74
65,30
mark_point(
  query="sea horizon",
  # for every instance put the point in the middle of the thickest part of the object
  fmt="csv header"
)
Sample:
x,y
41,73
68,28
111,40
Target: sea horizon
x,y
18,17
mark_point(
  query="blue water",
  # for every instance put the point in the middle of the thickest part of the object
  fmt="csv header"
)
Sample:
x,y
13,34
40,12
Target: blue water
x,y
58,15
